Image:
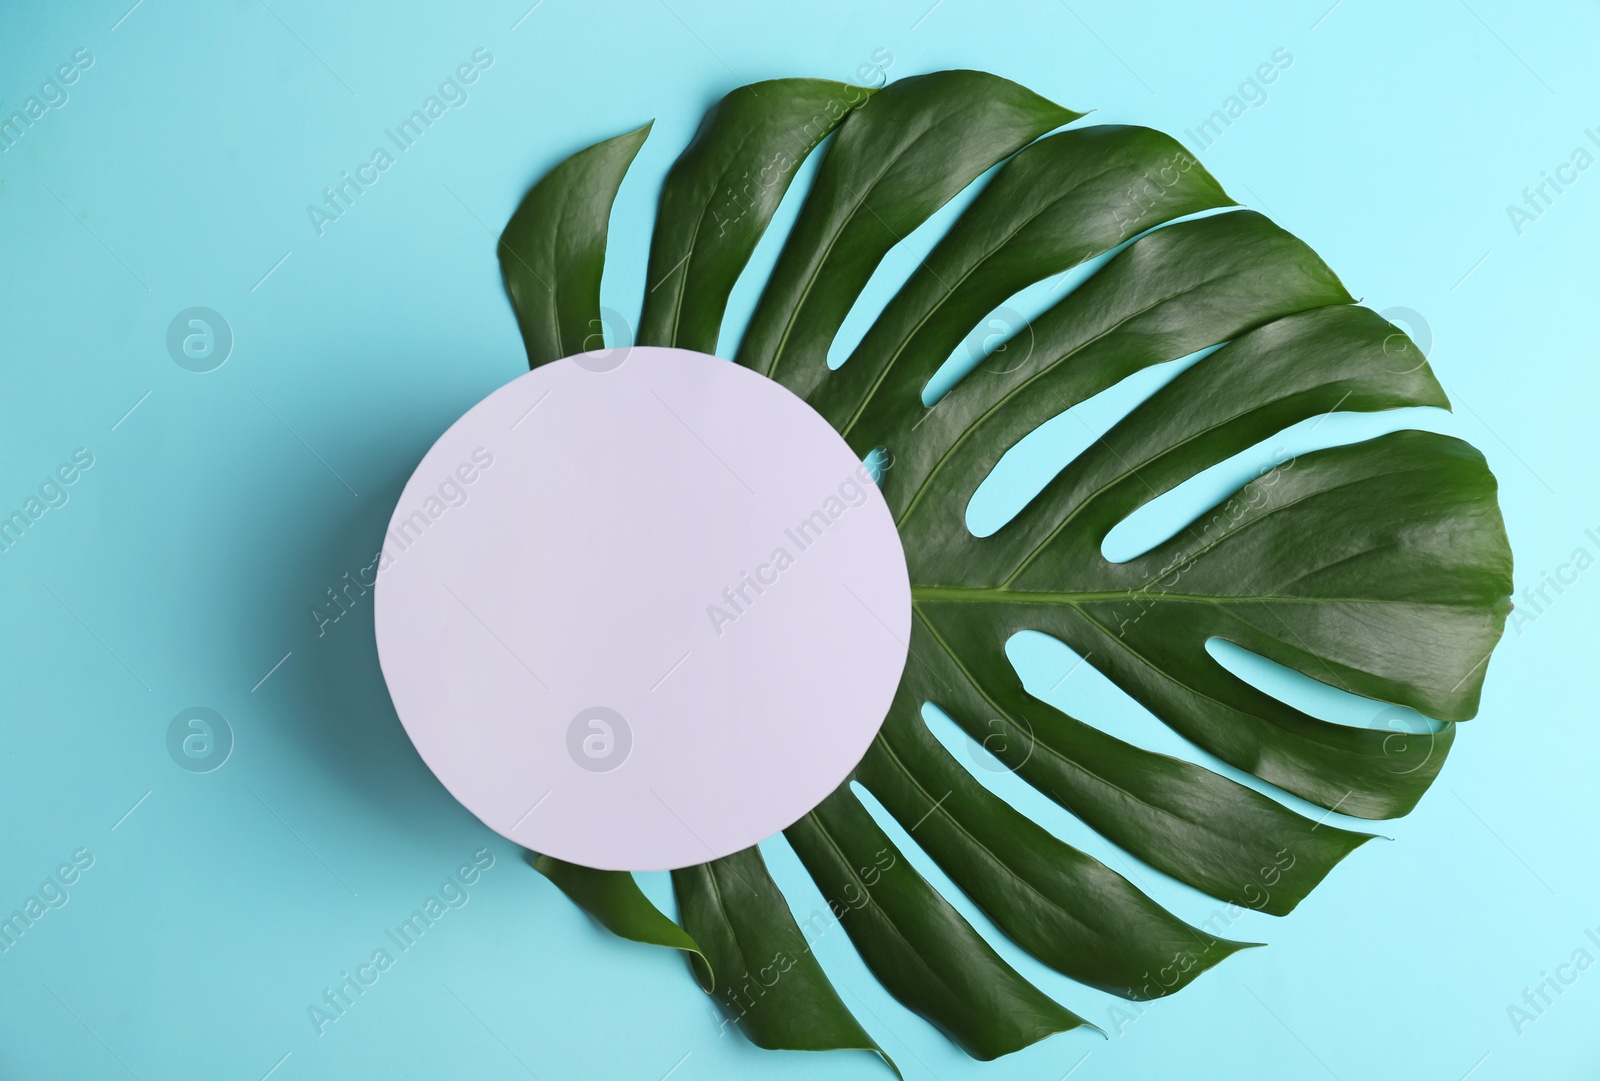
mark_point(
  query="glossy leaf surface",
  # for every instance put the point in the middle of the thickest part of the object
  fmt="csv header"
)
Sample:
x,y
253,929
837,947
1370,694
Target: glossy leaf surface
x,y
1380,568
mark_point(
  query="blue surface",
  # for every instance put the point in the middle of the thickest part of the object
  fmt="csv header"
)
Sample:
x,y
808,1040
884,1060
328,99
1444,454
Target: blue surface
x,y
180,569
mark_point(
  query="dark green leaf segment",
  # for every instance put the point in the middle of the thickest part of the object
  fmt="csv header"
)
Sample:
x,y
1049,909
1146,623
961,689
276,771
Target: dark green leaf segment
x,y
553,249
616,901
1380,568
758,963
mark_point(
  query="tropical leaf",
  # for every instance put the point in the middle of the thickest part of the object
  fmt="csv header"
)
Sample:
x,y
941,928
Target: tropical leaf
x,y
758,964
899,158
1064,907
615,900
721,194
1380,568
553,249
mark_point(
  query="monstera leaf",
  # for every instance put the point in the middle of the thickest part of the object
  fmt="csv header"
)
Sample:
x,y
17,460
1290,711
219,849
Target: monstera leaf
x,y
1381,568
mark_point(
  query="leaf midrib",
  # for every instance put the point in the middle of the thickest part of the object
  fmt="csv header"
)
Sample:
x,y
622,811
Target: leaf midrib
x,y
987,595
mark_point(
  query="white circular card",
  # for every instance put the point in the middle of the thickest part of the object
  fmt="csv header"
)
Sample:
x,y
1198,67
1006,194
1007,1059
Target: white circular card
x,y
641,608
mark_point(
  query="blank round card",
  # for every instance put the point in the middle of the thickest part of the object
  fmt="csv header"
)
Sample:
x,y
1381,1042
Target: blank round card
x,y
641,608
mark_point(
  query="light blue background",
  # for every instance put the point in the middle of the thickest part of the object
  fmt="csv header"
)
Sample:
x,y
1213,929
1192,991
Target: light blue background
x,y
217,512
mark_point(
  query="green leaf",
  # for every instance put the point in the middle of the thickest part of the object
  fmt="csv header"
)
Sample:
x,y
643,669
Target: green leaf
x,y
895,161
1066,908
720,196
757,962
1190,822
616,901
1170,293
1059,202
553,249
918,946
1380,568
